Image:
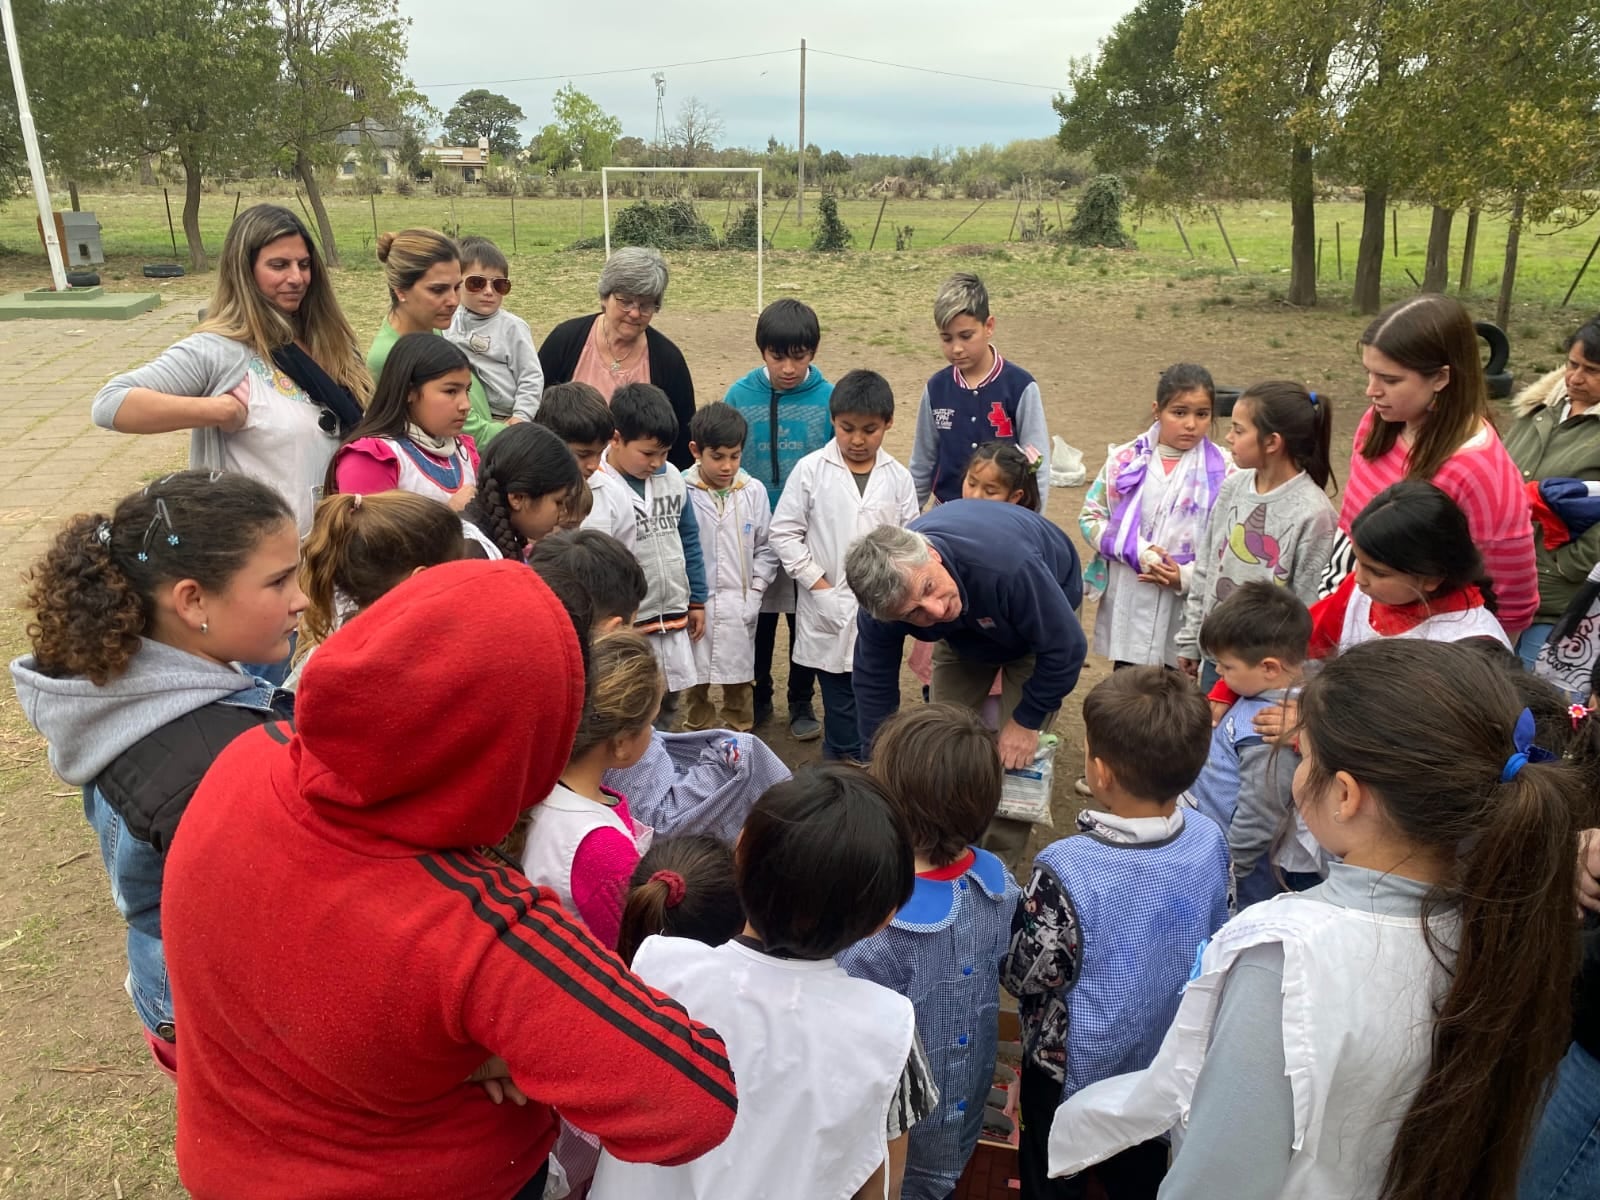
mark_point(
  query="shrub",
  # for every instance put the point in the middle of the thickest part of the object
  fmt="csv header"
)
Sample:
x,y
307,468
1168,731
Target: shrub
x,y
742,234
832,233
670,225
1097,220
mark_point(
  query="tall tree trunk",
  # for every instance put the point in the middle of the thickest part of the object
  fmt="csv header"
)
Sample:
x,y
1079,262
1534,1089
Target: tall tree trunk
x,y
191,209
1303,219
147,170
72,193
1368,296
1508,276
1468,252
1436,271
308,176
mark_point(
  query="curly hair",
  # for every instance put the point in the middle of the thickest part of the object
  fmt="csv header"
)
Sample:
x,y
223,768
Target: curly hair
x,y
523,460
93,592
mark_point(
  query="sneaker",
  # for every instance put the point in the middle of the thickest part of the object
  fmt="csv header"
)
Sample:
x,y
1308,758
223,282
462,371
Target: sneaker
x,y
1081,786
803,724
763,713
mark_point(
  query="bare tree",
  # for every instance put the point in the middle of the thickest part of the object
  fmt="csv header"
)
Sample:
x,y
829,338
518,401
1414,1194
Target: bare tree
x,y
696,133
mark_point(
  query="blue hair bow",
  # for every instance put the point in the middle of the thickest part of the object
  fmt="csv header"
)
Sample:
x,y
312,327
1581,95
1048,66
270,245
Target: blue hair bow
x,y
1525,751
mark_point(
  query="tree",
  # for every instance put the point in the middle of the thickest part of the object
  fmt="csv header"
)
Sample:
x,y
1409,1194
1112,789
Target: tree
x,y
833,165
412,125
193,78
343,68
696,132
1266,63
481,113
582,135
630,152
1135,110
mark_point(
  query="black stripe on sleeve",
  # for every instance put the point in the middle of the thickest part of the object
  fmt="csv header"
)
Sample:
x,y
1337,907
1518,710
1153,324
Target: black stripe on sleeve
x,y
557,974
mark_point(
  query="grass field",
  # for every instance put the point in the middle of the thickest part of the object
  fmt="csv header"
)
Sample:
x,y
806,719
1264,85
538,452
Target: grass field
x,y
134,227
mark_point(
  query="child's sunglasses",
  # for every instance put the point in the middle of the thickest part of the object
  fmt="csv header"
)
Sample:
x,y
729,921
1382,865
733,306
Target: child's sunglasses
x,y
476,283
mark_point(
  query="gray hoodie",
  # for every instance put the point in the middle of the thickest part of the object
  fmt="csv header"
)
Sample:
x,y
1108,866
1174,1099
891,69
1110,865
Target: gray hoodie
x,y
88,725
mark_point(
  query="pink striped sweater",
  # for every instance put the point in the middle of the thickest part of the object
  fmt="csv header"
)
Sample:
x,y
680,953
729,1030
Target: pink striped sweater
x,y
1483,480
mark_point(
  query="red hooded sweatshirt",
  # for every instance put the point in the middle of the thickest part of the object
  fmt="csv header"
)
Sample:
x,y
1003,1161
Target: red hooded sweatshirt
x,y
341,959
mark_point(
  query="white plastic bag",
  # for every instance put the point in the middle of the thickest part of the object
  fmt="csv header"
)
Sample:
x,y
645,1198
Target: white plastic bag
x,y
1066,464
1025,793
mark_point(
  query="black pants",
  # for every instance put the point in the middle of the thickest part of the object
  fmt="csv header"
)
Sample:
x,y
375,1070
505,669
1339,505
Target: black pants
x,y
802,679
534,1188
841,735
1135,1174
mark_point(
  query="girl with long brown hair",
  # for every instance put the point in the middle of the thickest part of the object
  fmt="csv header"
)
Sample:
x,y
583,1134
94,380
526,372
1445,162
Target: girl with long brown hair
x,y
1430,420
1390,1033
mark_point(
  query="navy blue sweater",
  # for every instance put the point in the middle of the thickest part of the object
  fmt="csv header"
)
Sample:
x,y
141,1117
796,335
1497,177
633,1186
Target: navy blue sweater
x,y
1020,589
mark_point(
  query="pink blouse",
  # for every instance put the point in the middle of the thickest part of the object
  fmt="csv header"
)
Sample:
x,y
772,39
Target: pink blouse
x,y
594,365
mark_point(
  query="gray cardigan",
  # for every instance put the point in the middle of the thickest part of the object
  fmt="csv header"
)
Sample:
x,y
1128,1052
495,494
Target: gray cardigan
x,y
202,364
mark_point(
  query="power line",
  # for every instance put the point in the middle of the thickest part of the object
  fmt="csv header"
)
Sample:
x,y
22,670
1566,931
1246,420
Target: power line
x,y
699,62
878,62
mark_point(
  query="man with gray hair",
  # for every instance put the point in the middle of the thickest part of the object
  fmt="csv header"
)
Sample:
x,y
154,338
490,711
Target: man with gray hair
x,y
997,587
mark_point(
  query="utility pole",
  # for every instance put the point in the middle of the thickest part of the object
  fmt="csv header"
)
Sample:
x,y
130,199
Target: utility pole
x,y
800,185
30,142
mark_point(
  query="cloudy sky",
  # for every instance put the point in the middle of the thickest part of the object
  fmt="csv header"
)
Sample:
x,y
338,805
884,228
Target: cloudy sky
x,y
850,105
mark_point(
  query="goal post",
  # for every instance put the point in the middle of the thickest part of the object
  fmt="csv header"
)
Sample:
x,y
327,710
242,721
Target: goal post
x,y
761,241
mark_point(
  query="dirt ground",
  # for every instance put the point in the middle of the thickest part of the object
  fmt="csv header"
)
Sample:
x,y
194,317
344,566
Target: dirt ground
x,y
82,1111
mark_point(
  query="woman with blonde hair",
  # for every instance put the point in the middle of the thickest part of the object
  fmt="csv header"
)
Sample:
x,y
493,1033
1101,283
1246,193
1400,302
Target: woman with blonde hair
x,y
271,377
422,268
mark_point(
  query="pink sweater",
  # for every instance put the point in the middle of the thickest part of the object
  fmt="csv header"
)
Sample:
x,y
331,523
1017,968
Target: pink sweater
x,y
1483,480
600,874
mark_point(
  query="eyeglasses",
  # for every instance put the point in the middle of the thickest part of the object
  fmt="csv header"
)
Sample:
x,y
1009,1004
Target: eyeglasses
x,y
476,283
645,308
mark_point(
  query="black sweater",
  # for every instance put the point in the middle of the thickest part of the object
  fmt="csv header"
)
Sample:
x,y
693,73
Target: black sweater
x,y
558,357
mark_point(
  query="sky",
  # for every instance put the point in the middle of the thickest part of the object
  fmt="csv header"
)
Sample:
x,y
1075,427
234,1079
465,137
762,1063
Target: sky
x,y
851,106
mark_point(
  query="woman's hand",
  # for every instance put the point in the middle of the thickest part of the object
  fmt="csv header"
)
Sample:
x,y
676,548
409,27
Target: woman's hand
x,y
1277,724
463,497
234,407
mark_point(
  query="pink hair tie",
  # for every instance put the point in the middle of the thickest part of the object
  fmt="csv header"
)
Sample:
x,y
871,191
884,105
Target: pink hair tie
x,y
1578,712
675,886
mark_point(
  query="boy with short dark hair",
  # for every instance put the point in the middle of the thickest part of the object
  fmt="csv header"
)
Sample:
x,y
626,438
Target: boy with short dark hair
x,y
785,402
982,398
836,494
603,566
666,538
1140,884
1258,638
579,416
499,344
942,950
734,517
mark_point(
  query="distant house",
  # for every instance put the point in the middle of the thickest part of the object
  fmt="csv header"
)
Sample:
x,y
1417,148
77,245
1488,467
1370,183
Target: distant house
x,y
466,163
370,139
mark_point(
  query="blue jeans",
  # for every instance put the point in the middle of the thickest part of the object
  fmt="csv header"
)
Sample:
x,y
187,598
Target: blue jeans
x,y
841,736
1208,676
136,869
1262,883
1563,1162
1532,641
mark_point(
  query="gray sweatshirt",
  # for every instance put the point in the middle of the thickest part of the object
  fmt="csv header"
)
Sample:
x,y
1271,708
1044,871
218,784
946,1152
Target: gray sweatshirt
x,y
202,364
88,725
502,353
1284,536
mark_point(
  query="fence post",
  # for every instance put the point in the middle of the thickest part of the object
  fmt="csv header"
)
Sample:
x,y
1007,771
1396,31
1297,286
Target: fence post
x,y
879,221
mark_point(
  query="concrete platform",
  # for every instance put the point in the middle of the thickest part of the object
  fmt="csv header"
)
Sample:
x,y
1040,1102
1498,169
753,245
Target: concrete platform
x,y
76,304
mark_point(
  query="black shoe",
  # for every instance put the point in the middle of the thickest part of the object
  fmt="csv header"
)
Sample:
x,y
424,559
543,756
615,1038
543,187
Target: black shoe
x,y
763,713
803,724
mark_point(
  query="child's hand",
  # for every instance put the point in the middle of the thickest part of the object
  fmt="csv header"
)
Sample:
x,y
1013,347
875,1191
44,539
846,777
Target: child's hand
x,y
1589,869
495,1078
1190,667
463,497
697,624
752,607
1162,571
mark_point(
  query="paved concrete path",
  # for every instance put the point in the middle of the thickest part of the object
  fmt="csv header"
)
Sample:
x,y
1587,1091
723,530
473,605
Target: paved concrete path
x,y
53,461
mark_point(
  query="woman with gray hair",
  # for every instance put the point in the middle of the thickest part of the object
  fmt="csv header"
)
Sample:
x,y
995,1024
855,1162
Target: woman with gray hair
x,y
616,346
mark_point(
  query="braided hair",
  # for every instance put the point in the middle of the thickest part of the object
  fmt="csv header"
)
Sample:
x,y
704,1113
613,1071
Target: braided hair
x,y
522,460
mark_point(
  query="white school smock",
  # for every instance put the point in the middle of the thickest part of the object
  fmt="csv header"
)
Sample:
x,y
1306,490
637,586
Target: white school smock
x,y
1454,626
818,516
740,565
613,508
817,1056
1358,996
557,828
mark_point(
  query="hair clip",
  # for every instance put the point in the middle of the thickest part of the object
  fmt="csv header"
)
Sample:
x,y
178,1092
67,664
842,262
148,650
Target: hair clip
x,y
356,503
1031,453
1523,749
102,533
1313,399
1578,712
161,516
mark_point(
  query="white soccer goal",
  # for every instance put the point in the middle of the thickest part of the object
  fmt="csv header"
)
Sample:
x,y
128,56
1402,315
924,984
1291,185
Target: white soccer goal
x,y
761,243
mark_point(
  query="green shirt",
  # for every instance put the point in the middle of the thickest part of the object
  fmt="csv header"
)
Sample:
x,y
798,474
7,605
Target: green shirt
x,y
480,426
